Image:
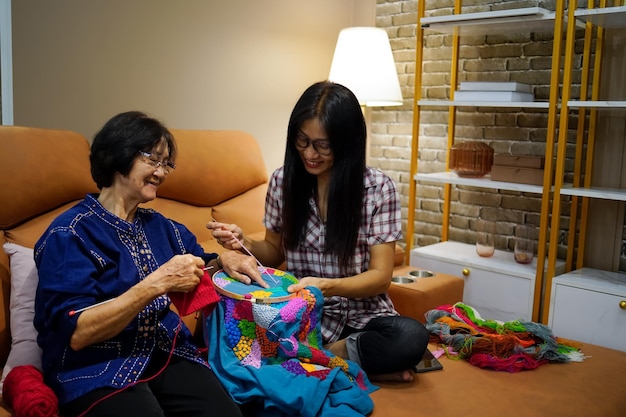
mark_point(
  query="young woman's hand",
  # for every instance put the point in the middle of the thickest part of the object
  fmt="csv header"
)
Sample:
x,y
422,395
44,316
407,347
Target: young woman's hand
x,y
320,283
229,236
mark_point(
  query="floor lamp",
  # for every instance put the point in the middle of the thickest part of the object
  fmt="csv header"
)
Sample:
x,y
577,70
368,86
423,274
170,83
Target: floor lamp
x,y
363,62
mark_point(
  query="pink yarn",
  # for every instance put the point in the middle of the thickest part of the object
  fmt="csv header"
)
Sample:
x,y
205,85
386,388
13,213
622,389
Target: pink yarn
x,y
513,363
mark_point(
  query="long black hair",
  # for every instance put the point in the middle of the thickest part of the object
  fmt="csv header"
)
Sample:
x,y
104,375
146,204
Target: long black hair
x,y
340,114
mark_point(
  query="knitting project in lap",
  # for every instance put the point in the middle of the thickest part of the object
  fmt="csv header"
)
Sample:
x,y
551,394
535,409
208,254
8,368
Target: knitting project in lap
x,y
504,346
272,355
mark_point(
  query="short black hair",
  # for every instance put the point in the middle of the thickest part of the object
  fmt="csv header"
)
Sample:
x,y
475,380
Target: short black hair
x,y
116,146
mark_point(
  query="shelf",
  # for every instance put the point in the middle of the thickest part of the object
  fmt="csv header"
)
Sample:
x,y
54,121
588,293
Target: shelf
x,y
531,19
464,253
607,17
595,192
606,104
598,104
594,280
510,104
484,182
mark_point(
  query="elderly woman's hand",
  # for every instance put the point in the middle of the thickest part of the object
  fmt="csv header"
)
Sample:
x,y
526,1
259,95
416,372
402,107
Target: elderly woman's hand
x,y
242,267
182,273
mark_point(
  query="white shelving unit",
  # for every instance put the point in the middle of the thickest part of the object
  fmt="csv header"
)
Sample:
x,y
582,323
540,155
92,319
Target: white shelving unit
x,y
533,19
595,192
583,298
450,177
525,20
507,104
607,17
617,105
589,304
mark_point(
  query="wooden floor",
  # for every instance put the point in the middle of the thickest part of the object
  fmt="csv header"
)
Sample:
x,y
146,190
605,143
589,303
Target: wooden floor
x,y
592,388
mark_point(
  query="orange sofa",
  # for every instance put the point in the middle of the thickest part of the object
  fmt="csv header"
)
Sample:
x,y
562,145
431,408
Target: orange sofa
x,y
221,174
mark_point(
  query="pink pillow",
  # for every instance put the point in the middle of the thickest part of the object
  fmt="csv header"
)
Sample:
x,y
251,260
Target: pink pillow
x,y
24,278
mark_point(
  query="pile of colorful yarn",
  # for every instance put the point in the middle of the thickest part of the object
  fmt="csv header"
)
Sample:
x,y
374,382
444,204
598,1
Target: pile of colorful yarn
x,y
504,346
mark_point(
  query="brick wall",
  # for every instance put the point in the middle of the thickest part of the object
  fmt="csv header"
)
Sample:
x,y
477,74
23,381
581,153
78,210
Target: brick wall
x,y
520,57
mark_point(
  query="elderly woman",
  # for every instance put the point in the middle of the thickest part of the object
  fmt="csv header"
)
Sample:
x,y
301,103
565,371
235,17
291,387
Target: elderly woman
x,y
111,345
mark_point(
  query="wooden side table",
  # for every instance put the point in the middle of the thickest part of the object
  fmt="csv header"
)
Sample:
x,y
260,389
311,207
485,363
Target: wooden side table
x,y
415,298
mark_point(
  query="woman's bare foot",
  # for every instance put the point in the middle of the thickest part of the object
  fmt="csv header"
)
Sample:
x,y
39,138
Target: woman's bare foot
x,y
403,376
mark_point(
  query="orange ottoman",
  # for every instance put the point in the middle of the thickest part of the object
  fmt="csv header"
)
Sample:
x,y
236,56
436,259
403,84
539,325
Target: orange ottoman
x,y
413,295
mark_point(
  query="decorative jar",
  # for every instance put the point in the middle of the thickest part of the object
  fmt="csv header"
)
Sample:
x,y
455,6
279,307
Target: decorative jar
x,y
471,159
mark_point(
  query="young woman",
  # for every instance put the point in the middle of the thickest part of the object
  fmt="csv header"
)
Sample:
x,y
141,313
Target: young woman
x,y
335,222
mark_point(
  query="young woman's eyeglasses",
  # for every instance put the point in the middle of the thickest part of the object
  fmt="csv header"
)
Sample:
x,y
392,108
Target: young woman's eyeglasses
x,y
153,160
321,146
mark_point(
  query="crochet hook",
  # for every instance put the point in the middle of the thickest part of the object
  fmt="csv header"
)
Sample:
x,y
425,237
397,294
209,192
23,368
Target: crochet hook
x,y
263,270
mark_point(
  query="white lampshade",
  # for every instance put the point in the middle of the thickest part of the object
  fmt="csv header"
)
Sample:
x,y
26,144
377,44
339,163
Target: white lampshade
x,y
364,63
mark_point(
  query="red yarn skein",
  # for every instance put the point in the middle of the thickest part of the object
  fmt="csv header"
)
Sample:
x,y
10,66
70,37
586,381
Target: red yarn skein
x,y
27,395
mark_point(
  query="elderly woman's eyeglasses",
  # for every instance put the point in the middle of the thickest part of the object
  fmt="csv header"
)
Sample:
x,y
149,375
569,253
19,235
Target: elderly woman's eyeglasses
x,y
153,160
321,146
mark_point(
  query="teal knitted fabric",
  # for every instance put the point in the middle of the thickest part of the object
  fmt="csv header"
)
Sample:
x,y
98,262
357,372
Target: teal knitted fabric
x,y
272,355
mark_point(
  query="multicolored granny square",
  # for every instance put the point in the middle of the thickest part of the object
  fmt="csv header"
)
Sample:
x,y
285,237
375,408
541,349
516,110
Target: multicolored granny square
x,y
252,335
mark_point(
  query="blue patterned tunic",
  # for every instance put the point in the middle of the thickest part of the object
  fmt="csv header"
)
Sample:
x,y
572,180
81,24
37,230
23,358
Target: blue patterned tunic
x,y
86,256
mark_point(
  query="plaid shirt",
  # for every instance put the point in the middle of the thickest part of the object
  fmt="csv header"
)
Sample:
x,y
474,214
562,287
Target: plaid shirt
x,y
381,223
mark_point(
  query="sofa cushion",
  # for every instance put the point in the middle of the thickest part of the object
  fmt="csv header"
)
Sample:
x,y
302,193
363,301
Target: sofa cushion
x,y
245,210
213,166
27,233
58,172
24,278
194,218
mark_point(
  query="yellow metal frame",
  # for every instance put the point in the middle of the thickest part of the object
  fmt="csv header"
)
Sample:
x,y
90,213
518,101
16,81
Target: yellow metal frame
x,y
560,158
593,116
454,76
417,94
556,142
575,218
548,175
578,158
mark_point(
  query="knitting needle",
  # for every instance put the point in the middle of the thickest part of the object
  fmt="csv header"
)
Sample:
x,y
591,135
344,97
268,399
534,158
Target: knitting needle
x,y
80,310
264,271
255,258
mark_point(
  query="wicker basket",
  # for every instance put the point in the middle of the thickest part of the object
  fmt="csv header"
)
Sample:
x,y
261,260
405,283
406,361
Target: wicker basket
x,y
471,159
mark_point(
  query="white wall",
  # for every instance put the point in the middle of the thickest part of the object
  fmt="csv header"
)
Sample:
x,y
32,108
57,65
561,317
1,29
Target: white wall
x,y
195,64
6,64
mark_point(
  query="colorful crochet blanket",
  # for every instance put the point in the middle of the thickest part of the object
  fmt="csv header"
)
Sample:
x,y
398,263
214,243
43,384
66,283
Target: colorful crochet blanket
x,y
271,355
504,346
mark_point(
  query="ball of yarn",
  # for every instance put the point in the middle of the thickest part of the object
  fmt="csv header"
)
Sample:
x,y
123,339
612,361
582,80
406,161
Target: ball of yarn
x,y
25,393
